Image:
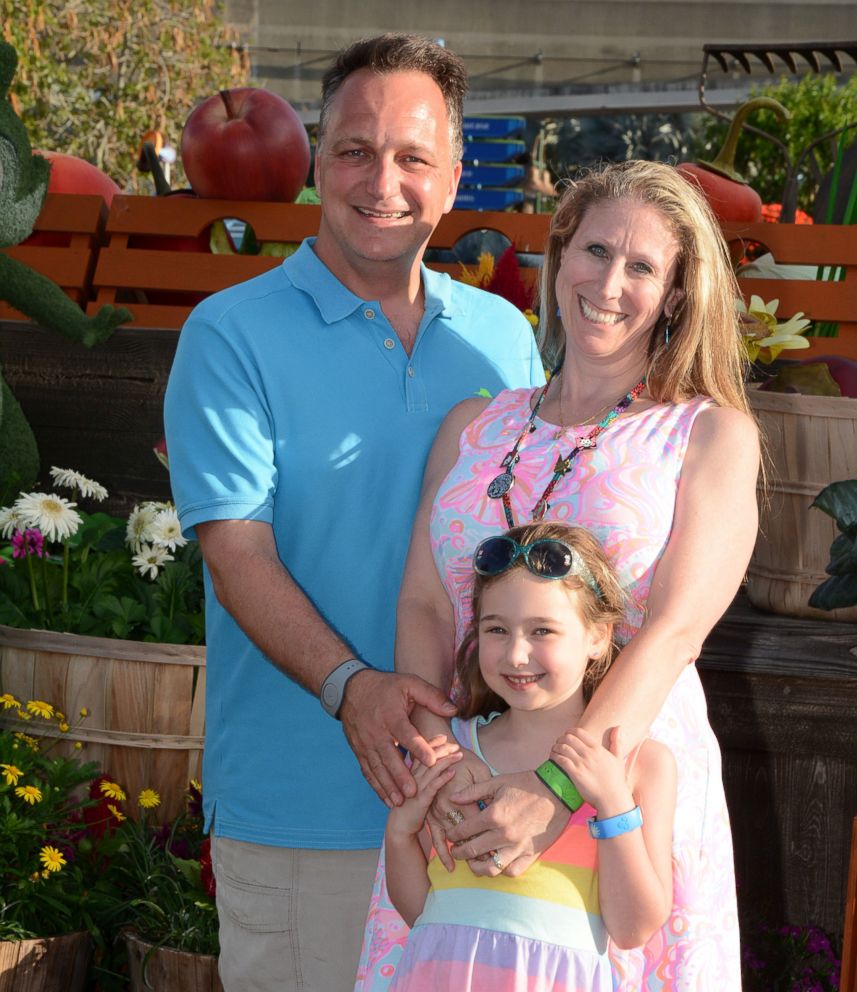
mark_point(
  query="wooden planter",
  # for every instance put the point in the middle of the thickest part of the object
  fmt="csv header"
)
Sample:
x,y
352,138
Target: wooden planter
x,y
67,235
146,705
780,693
812,441
163,969
48,964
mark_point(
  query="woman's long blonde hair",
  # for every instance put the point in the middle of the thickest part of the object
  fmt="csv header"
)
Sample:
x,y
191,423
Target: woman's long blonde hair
x,y
705,355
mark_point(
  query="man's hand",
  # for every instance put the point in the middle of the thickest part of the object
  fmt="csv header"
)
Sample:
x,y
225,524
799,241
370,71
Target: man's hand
x,y
521,820
376,719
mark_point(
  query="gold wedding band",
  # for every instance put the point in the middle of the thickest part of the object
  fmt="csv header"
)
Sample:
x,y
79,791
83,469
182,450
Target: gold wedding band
x,y
454,816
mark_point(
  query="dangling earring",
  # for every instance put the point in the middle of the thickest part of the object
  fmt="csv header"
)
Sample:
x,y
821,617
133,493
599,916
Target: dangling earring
x,y
667,333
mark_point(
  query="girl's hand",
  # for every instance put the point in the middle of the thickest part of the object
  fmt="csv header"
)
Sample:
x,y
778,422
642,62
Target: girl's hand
x,y
408,819
445,815
599,774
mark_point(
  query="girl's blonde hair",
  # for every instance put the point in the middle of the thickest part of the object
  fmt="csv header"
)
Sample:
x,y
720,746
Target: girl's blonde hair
x,y
705,355
475,698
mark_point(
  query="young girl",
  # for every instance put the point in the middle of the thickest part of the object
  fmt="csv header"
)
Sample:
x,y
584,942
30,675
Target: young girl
x,y
545,601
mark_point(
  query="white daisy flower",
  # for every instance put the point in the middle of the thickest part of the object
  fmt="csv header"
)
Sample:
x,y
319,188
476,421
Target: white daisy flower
x,y
70,479
10,521
55,516
166,529
139,528
150,560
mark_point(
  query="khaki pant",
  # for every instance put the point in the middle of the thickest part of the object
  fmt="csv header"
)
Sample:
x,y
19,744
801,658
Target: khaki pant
x,y
291,919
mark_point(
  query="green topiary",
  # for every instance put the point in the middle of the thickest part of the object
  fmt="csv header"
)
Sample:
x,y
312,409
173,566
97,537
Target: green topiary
x,y
23,185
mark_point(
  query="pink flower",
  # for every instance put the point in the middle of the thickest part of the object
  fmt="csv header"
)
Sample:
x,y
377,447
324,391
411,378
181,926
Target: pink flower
x,y
28,542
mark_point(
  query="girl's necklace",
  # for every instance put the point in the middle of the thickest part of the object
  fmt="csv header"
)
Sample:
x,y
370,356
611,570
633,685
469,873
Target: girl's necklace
x,y
499,487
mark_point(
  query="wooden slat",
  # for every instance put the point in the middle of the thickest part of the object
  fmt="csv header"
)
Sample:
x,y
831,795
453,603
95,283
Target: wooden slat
x,y
801,244
76,213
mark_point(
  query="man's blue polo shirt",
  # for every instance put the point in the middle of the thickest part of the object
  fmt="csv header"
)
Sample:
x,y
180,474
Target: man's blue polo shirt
x,y
292,401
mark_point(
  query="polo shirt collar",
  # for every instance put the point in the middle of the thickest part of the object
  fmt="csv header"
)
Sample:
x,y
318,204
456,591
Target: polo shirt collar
x,y
307,272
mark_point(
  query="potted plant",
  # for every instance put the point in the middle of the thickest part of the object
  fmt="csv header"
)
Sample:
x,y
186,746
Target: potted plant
x,y
116,606
161,879
50,896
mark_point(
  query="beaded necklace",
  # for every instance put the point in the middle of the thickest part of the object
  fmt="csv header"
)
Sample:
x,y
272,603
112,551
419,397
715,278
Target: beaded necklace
x,y
499,487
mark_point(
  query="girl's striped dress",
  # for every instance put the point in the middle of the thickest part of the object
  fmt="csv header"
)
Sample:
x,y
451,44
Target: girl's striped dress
x,y
540,932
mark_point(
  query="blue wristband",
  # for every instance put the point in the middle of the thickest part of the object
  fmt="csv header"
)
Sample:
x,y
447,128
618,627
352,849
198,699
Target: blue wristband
x,y
614,826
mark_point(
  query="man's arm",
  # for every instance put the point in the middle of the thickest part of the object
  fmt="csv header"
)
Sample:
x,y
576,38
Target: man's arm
x,y
252,584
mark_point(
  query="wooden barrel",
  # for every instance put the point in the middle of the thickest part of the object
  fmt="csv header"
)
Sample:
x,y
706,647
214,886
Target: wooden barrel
x,y
812,441
164,969
145,702
47,964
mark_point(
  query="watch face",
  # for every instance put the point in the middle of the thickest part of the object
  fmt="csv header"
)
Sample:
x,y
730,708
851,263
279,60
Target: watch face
x,y
330,696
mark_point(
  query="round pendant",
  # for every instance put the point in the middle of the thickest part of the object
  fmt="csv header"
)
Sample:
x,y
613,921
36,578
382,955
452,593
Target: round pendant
x,y
497,488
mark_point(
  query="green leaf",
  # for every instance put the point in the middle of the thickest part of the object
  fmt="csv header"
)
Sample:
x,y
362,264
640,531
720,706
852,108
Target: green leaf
x,y
839,500
835,593
843,555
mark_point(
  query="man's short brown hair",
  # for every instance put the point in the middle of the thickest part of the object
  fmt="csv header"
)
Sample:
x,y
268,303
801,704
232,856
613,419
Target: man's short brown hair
x,y
402,53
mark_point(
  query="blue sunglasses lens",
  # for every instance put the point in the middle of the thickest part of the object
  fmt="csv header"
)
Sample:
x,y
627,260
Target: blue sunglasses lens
x,y
546,557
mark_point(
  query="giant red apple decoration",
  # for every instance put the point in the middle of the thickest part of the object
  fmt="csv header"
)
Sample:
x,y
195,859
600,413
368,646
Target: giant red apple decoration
x,y
245,144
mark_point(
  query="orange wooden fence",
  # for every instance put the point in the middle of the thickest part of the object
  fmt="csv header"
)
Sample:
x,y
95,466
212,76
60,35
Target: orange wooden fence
x,y
142,255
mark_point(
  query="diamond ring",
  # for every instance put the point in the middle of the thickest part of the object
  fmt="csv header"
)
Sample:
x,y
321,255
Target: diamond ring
x,y
454,816
495,857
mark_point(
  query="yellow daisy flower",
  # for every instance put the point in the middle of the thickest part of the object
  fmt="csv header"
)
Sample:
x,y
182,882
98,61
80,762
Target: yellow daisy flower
x,y
11,773
120,816
112,790
64,728
23,715
40,708
51,858
9,702
31,742
29,793
149,799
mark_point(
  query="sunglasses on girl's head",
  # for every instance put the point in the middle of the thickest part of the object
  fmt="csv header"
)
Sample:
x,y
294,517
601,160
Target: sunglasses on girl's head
x,y
547,557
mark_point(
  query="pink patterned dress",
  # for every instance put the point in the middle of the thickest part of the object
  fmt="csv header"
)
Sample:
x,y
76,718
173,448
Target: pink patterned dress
x,y
623,492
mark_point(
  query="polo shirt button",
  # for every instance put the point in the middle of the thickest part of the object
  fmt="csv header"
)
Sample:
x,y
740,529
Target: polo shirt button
x,y
389,344
411,372
369,313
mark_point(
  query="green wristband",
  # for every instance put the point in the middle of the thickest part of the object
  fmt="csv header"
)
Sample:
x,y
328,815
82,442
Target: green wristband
x,y
560,785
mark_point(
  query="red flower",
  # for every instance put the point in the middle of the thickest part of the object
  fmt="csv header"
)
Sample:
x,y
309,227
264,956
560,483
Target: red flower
x,y
771,213
206,870
507,282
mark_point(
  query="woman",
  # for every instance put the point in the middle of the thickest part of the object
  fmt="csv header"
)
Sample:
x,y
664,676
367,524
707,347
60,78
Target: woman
x,y
643,436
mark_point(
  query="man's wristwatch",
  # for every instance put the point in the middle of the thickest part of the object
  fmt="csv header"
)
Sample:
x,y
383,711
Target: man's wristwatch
x,y
333,689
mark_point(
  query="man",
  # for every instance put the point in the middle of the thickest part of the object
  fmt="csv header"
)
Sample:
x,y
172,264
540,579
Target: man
x,y
299,413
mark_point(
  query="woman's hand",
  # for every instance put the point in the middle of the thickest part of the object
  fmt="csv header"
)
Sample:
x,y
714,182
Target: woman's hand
x,y
445,814
521,820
